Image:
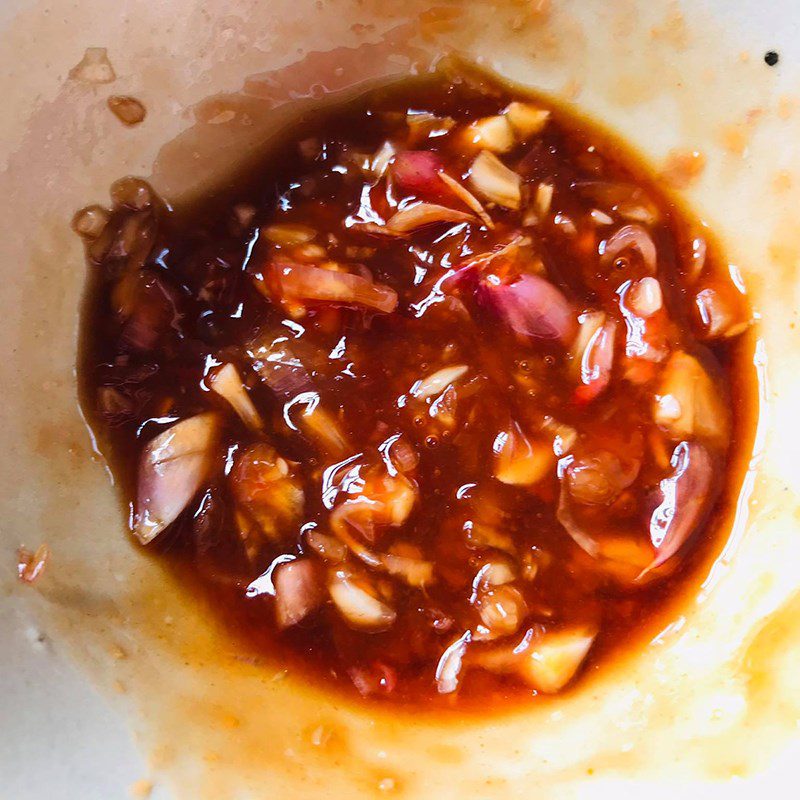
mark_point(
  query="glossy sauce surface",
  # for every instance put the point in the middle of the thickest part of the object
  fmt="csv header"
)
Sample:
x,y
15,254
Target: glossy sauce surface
x,y
436,406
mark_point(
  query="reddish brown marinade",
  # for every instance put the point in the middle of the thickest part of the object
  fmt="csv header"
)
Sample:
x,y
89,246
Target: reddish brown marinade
x,y
436,404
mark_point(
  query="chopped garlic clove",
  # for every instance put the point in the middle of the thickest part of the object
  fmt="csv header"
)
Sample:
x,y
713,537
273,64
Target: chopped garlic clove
x,y
289,234
719,315
228,384
552,660
360,609
495,182
645,297
526,119
687,403
492,133
437,382
298,591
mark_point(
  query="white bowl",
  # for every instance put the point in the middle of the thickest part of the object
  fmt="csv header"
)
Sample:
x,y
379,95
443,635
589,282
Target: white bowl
x,y
111,674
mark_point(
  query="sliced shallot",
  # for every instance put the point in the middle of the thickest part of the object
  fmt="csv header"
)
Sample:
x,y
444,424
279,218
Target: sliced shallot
x,y
467,198
277,364
306,282
172,469
128,110
685,495
415,571
399,455
530,306
420,215
595,356
577,532
629,237
90,222
596,479
299,590
502,610
381,500
497,572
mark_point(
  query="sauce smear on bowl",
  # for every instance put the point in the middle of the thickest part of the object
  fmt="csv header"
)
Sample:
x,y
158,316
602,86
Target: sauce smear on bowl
x,y
440,404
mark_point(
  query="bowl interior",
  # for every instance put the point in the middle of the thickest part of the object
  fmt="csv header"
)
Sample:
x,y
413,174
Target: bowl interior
x,y
662,74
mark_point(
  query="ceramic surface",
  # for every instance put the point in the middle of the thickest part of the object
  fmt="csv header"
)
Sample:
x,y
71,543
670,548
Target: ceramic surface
x,y
110,674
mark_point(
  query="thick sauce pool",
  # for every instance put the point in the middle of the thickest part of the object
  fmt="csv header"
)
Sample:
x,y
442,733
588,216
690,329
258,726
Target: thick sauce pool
x,y
438,405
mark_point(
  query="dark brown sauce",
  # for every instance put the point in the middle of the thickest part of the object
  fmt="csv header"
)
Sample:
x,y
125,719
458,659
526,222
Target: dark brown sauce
x,y
171,298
